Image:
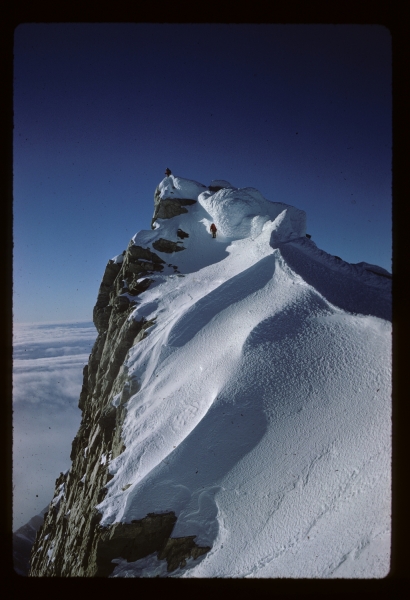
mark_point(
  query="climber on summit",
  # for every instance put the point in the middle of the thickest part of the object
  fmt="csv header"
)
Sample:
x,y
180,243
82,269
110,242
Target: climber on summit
x,y
213,230
167,172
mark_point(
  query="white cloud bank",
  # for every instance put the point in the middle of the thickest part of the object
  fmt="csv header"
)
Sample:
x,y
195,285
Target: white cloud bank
x,y
48,361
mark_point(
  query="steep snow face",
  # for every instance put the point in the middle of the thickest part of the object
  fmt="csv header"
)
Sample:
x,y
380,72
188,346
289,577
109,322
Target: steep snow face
x,y
262,417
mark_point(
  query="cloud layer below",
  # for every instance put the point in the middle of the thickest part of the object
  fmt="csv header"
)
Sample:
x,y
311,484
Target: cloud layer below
x,y
48,361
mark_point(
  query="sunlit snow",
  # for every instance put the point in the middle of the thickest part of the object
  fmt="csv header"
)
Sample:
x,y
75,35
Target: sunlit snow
x,y
263,414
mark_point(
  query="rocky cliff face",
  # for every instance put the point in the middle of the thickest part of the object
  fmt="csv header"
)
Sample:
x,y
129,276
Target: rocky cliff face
x,y
71,542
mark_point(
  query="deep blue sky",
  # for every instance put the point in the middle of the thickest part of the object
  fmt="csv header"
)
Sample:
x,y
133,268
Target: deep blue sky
x,y
300,112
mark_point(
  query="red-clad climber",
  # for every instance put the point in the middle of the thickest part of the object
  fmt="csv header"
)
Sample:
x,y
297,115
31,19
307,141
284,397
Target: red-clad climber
x,y
213,230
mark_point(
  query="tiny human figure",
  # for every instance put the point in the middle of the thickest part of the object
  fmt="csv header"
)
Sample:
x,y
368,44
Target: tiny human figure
x,y
167,172
213,230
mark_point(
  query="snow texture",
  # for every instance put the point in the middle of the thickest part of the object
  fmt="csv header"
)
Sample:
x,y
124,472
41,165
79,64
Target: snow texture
x,y
263,414
176,187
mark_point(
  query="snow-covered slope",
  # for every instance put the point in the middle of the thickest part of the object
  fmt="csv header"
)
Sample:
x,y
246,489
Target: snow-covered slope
x,y
260,406
263,416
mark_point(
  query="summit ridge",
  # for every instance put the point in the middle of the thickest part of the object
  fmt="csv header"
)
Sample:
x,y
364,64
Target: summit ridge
x,y
235,407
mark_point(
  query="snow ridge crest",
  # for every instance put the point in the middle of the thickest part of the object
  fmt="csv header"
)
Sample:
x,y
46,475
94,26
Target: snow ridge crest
x,y
237,212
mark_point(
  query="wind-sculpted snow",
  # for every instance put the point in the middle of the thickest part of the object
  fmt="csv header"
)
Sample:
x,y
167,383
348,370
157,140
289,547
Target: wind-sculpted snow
x,y
350,287
263,409
224,297
255,399
242,212
177,187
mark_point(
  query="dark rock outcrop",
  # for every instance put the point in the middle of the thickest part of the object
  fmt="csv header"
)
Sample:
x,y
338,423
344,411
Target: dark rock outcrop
x,y
166,208
178,550
126,277
132,541
167,246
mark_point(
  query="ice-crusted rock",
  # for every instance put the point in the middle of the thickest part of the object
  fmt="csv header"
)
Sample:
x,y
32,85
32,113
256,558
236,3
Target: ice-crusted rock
x,y
71,523
170,207
173,195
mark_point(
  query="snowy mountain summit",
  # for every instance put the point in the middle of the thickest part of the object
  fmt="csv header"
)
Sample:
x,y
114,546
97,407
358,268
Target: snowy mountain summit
x,y
236,404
